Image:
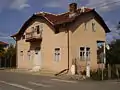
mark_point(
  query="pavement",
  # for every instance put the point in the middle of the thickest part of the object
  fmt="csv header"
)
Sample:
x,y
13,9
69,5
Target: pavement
x,y
25,81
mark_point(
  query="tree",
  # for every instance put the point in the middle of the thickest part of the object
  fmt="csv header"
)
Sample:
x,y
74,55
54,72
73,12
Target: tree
x,y
10,56
1,51
113,55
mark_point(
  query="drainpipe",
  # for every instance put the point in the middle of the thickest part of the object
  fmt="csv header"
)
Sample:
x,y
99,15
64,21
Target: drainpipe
x,y
68,45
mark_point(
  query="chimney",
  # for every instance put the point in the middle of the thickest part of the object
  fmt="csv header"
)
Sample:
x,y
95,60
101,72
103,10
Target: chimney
x,y
72,7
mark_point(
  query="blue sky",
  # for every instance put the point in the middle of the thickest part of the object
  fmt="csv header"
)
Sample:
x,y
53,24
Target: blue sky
x,y
13,13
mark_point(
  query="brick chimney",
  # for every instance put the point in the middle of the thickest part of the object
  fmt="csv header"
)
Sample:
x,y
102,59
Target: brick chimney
x,y
72,7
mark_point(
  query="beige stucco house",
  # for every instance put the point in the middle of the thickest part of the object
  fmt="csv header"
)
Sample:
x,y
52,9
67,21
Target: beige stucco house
x,y
54,42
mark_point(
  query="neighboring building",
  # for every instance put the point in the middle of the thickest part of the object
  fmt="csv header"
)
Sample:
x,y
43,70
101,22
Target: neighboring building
x,y
53,42
4,45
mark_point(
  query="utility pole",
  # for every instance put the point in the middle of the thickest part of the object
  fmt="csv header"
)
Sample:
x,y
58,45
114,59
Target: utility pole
x,y
104,60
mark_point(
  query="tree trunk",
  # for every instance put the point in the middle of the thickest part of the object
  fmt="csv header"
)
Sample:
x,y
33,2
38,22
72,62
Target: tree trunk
x,y
109,71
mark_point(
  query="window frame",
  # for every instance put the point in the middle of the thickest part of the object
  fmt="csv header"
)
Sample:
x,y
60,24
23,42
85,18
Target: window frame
x,y
85,53
93,27
57,54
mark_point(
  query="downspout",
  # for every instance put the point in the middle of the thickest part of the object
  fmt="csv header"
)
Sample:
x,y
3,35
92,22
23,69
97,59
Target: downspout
x,y
68,45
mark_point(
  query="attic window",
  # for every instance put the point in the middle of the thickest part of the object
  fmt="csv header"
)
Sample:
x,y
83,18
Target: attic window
x,y
85,25
93,27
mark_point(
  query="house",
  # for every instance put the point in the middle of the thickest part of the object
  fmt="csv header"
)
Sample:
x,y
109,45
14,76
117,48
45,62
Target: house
x,y
56,41
4,45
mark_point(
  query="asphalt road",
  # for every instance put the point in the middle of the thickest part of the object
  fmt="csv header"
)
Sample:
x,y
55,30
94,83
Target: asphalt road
x,y
20,81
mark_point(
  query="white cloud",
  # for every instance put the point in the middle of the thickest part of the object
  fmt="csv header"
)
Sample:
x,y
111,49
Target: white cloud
x,y
104,5
19,4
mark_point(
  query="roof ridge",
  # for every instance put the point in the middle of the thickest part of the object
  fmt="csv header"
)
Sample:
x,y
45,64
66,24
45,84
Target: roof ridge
x,y
42,12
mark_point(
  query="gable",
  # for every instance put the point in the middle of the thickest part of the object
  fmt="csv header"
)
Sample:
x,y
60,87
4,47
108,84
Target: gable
x,y
56,20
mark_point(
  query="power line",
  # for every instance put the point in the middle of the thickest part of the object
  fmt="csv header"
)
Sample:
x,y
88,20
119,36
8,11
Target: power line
x,y
99,5
107,4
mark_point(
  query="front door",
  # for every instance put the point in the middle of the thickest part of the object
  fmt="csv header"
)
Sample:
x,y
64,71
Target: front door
x,y
37,59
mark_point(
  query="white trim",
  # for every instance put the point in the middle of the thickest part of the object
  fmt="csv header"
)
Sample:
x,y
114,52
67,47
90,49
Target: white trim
x,y
59,55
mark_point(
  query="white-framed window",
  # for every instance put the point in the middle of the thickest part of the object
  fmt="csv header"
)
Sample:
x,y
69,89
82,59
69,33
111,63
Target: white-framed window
x,y
57,54
28,54
84,53
93,27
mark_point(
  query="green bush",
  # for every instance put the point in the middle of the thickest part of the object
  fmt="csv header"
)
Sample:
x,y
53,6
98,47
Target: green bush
x,y
97,74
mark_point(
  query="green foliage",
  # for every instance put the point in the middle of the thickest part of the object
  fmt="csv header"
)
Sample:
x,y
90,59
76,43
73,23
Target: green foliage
x,y
1,51
113,55
97,74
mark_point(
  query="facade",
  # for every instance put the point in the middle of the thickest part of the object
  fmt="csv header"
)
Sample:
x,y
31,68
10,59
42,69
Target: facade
x,y
56,42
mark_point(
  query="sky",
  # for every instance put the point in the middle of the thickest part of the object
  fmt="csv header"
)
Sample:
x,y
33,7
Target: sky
x,y
13,13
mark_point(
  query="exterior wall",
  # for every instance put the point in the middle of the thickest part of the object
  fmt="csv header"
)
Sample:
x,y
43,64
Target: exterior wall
x,y
22,61
50,41
81,38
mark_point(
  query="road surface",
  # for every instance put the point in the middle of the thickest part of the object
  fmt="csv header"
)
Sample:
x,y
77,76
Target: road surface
x,y
20,81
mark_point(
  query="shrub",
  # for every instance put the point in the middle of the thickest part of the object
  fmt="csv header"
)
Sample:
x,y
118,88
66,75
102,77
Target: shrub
x,y
97,74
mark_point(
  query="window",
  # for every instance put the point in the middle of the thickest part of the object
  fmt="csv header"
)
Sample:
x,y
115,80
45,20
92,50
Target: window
x,y
93,27
87,53
41,27
57,54
85,24
84,53
32,28
38,29
28,53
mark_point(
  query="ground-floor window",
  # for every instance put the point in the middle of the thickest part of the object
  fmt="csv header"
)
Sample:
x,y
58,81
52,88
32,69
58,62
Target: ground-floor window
x,y
29,55
57,54
84,53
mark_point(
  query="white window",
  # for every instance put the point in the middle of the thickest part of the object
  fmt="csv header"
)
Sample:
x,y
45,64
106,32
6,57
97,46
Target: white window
x,y
28,53
93,27
57,54
84,53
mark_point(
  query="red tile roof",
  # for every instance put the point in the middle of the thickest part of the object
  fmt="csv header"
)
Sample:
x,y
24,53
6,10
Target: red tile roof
x,y
61,18
3,43
55,19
